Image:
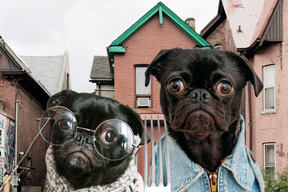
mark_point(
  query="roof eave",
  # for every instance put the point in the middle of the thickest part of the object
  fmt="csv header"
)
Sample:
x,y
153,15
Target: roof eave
x,y
102,81
249,51
160,8
32,87
215,22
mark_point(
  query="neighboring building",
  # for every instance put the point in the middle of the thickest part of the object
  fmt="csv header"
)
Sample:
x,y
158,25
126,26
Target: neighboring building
x,y
258,30
130,54
52,71
218,32
101,74
23,98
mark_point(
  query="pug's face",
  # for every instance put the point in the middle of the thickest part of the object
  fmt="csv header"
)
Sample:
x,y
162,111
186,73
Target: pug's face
x,y
201,97
87,139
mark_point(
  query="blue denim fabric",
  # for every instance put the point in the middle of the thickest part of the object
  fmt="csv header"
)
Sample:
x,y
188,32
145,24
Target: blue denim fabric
x,y
238,172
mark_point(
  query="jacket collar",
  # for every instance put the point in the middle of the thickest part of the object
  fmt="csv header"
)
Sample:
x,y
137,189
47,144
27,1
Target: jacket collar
x,y
189,172
237,162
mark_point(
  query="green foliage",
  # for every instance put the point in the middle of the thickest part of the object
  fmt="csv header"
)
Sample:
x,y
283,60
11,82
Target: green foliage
x,y
279,185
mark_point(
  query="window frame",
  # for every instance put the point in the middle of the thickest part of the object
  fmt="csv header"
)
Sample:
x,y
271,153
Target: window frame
x,y
275,162
267,110
142,96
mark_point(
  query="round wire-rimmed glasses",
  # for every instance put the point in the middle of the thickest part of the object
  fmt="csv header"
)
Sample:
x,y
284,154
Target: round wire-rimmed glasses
x,y
113,139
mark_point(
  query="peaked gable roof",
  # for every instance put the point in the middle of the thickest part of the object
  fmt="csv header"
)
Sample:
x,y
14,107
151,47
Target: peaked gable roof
x,y
215,22
269,26
14,67
160,8
243,17
251,22
47,69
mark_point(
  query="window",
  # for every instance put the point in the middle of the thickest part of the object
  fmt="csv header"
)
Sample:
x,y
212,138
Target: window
x,y
143,93
141,89
270,159
269,87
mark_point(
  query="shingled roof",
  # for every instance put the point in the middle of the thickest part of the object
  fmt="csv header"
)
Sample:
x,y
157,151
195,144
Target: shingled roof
x,y
100,69
47,69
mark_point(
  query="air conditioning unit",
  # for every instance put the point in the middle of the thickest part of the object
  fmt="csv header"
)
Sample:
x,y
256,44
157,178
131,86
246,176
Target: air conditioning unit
x,y
143,102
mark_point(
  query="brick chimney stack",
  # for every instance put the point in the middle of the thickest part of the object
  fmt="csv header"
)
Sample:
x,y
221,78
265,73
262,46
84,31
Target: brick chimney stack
x,y
191,22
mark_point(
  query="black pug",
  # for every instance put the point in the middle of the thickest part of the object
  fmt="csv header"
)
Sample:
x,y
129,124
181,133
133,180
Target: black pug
x,y
77,164
201,97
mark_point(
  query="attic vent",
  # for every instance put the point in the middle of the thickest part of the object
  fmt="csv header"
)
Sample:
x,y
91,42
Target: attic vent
x,y
143,102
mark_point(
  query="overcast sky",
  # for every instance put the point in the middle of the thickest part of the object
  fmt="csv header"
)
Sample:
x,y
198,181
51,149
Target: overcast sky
x,y
84,28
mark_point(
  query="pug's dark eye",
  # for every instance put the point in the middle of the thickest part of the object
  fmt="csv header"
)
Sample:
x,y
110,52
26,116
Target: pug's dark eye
x,y
176,86
224,88
108,136
66,124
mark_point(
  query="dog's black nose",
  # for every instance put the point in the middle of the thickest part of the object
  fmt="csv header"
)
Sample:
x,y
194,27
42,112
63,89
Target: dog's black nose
x,y
200,95
83,138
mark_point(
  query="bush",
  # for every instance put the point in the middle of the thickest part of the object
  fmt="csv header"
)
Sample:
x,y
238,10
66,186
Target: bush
x,y
279,185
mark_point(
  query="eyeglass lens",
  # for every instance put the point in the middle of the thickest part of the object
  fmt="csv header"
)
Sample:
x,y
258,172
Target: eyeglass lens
x,y
113,138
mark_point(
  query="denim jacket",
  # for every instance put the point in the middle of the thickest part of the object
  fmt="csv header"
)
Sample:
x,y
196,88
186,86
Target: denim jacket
x,y
238,171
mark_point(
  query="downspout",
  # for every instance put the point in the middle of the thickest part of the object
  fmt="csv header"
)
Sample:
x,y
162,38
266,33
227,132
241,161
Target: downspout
x,y
249,105
15,174
250,116
16,132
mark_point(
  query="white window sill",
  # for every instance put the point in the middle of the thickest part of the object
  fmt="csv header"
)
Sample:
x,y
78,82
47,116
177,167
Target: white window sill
x,y
268,111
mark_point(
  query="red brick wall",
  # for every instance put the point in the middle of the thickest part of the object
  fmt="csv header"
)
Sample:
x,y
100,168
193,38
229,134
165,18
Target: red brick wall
x,y
7,95
271,127
222,35
141,48
29,110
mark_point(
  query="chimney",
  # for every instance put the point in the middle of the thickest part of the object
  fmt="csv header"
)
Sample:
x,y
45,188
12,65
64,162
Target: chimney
x,y
191,22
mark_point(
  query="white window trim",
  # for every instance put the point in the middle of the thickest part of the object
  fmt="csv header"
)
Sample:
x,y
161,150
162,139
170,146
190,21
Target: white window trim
x,y
150,86
269,111
265,144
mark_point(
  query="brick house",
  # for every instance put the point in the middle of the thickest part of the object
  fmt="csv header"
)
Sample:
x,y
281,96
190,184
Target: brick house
x,y
23,98
130,54
258,31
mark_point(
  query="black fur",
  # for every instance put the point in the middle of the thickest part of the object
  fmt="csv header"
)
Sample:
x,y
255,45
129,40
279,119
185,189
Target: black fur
x,y
203,121
78,162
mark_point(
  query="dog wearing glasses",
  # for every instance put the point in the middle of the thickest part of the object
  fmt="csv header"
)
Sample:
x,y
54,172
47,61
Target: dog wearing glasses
x,y
74,164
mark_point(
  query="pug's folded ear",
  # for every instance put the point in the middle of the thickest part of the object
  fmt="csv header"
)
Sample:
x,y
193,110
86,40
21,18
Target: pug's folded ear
x,y
59,98
156,66
249,72
135,122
